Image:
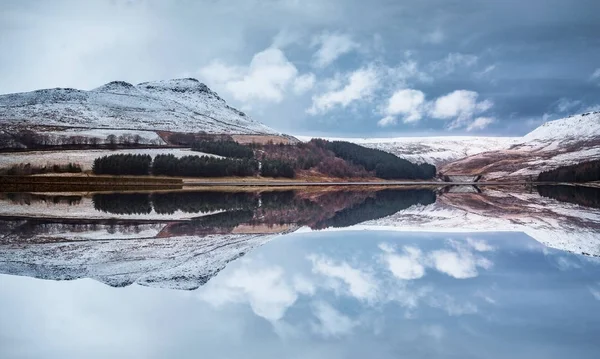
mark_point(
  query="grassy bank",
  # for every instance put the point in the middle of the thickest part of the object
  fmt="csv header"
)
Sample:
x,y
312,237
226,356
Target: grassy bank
x,y
84,183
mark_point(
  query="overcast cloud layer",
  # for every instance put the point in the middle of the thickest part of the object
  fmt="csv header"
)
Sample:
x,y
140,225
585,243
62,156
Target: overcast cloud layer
x,y
326,68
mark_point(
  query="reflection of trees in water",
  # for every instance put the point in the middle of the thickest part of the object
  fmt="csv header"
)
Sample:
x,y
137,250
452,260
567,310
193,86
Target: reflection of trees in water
x,y
317,210
584,196
202,202
383,204
30,198
123,203
169,203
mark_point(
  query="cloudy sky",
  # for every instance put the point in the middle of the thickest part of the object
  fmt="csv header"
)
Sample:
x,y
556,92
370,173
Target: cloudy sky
x,y
348,68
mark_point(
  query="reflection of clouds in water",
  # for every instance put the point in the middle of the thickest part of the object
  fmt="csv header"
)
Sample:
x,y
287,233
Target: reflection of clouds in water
x,y
264,287
361,285
406,266
461,262
271,290
331,323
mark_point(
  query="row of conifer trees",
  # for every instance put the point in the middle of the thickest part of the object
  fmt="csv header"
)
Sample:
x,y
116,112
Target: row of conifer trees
x,y
188,166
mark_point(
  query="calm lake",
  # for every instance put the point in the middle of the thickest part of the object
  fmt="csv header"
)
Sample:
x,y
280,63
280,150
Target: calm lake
x,y
455,272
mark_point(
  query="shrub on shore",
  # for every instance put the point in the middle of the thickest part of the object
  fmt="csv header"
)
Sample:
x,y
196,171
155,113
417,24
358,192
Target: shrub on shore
x,y
29,169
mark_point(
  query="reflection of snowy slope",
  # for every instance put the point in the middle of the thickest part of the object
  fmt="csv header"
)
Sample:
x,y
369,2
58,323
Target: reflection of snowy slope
x,y
558,225
178,263
183,105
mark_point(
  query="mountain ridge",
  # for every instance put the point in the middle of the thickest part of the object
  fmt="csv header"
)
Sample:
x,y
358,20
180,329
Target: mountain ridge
x,y
179,105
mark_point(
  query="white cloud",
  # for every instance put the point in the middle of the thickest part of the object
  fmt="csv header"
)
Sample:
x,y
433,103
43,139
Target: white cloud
x,y
485,71
266,78
566,105
595,74
461,105
304,83
360,284
407,266
331,322
360,84
452,62
408,103
331,47
480,123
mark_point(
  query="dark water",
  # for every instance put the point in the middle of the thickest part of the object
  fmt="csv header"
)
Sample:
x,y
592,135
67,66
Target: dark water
x,y
410,273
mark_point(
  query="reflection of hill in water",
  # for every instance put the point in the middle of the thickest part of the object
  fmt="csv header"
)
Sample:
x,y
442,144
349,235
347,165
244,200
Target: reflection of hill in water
x,y
556,224
184,253
584,196
175,253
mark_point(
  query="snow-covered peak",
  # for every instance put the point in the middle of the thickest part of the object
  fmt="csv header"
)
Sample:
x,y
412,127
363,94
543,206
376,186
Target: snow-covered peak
x,y
121,87
577,127
180,105
189,85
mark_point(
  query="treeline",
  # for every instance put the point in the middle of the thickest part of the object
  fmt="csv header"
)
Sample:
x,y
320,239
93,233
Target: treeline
x,y
29,169
39,140
203,166
224,148
276,168
385,165
582,172
122,164
169,165
583,196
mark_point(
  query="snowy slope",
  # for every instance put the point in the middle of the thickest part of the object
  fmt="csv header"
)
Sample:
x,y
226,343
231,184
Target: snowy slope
x,y
182,105
435,150
557,143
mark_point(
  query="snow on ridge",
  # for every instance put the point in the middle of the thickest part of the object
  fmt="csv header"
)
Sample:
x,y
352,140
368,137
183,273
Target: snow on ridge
x,y
575,127
182,105
435,150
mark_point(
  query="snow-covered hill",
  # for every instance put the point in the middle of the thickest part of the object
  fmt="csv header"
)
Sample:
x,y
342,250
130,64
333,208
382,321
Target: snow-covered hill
x,y
436,150
180,105
557,143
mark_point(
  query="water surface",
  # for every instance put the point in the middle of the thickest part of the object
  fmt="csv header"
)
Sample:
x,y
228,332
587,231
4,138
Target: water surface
x,y
413,273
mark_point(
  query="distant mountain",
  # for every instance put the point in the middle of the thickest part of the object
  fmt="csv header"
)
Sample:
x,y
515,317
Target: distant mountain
x,y
557,143
553,144
179,105
436,150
